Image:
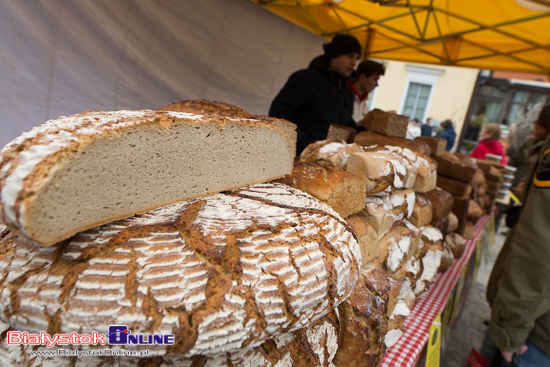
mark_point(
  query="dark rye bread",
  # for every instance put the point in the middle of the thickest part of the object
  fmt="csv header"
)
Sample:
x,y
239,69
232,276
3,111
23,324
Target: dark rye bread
x,y
221,273
442,203
340,132
386,123
313,346
363,318
450,166
81,171
437,145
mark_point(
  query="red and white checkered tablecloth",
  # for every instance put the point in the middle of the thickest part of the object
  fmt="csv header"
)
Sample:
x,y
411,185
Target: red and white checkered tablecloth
x,y
416,326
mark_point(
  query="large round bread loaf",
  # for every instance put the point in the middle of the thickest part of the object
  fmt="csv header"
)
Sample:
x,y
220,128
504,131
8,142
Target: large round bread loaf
x,y
220,273
81,171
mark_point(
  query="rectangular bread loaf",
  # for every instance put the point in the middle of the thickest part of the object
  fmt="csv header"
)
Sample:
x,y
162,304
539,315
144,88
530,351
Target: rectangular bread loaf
x,y
382,172
386,123
437,145
426,174
340,132
460,209
80,171
442,203
455,169
341,190
422,213
455,187
366,236
369,138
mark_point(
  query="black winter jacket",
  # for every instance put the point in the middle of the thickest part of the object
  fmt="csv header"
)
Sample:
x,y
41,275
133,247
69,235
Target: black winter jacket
x,y
314,98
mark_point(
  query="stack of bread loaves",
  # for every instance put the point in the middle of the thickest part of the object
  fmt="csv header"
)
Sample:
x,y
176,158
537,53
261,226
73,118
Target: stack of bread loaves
x,y
243,272
383,193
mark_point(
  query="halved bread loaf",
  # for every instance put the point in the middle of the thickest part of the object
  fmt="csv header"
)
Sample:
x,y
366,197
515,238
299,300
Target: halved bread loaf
x,y
81,171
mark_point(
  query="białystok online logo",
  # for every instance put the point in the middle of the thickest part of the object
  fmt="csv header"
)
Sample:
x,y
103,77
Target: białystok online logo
x,y
117,335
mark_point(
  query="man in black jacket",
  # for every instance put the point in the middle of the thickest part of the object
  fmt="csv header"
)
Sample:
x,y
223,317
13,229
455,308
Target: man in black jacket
x,y
318,96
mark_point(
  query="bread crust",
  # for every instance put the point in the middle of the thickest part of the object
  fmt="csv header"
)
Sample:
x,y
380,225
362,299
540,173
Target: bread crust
x,y
84,170
221,273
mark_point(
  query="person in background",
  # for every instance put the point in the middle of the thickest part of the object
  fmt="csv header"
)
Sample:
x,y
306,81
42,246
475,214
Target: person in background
x,y
448,133
413,130
367,75
541,131
489,142
516,153
518,290
426,129
316,97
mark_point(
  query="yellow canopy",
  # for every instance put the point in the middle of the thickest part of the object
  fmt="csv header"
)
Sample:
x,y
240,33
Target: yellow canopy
x,y
511,35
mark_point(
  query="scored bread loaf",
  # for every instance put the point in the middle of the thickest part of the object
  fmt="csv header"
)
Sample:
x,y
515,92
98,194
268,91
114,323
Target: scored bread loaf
x,y
396,247
313,346
421,170
405,156
329,153
383,172
363,318
342,191
220,273
381,212
81,171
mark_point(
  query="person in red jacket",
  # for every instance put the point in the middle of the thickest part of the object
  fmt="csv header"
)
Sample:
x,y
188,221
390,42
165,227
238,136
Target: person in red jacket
x,y
489,143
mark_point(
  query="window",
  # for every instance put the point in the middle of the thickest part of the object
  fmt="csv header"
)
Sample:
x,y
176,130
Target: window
x,y
417,100
419,87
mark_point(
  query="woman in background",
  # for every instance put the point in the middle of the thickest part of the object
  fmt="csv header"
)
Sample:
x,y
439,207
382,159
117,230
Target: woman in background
x,y
489,142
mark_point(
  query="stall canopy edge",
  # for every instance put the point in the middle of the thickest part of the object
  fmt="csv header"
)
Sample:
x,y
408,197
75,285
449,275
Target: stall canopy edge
x,y
511,35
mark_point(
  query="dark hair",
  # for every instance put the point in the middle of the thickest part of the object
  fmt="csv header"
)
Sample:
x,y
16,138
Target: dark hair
x,y
445,124
370,67
544,117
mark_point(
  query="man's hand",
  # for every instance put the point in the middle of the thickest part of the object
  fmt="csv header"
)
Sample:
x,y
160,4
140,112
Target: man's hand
x,y
508,355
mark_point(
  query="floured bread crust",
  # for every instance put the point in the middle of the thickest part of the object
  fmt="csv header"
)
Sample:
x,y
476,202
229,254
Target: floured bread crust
x,y
329,153
312,346
221,273
84,170
204,107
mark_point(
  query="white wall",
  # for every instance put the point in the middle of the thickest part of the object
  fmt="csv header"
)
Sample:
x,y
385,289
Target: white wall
x,y
450,97
62,57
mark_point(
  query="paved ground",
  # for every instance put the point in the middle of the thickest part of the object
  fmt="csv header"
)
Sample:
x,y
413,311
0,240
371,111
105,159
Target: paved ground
x,y
470,329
